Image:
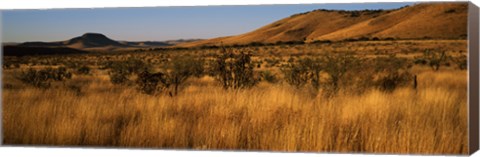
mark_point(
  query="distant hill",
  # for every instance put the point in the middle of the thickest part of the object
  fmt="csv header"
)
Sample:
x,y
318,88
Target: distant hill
x,y
25,51
420,21
175,42
145,43
92,40
98,42
9,44
85,42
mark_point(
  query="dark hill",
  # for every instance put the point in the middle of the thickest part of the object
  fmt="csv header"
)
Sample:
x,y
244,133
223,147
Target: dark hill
x,y
28,51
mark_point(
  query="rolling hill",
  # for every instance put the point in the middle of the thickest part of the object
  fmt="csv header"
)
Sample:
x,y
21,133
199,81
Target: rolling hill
x,y
419,21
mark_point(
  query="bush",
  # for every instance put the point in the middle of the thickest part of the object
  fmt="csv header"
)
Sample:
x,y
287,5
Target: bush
x,y
84,70
435,59
461,62
151,83
337,65
181,68
120,71
43,78
175,73
392,72
420,61
234,70
118,78
391,81
305,70
268,76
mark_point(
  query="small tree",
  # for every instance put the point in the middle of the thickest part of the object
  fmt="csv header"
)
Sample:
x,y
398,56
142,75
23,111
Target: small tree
x,y
181,68
305,70
295,74
234,70
435,59
337,65
152,83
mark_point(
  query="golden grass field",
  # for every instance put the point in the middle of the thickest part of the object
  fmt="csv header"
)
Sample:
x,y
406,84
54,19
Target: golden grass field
x,y
268,117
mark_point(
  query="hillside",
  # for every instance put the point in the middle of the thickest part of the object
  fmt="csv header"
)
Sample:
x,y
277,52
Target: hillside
x,y
424,20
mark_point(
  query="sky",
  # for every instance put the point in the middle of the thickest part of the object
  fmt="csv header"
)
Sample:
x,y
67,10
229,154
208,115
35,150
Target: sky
x,y
155,23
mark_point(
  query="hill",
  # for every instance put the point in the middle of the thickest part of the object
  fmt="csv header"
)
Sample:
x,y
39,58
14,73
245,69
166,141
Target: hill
x,y
26,51
96,42
87,41
420,21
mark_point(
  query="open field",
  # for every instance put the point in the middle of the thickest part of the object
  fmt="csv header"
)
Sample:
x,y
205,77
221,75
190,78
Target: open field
x,y
394,99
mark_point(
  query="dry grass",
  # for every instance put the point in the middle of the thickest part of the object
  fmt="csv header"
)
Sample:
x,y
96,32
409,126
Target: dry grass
x,y
267,117
431,120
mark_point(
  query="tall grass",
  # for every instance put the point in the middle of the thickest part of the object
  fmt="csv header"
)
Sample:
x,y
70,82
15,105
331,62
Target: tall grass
x,y
431,119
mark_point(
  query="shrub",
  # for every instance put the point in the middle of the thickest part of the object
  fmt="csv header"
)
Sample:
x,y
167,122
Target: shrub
x,y
118,78
234,70
391,81
268,76
305,70
337,65
181,68
420,61
295,74
151,83
43,78
461,62
84,70
120,71
392,72
435,59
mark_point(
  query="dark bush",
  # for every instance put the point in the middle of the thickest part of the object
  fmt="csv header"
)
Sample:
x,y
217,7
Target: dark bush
x,y
234,70
268,76
120,71
337,65
420,61
461,62
152,83
43,78
305,70
435,58
392,72
84,70
181,68
295,74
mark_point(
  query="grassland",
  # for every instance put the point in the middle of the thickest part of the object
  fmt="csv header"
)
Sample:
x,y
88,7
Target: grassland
x,y
88,110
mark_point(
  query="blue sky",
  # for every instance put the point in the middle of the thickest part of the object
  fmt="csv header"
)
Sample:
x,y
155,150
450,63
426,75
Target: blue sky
x,y
155,23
